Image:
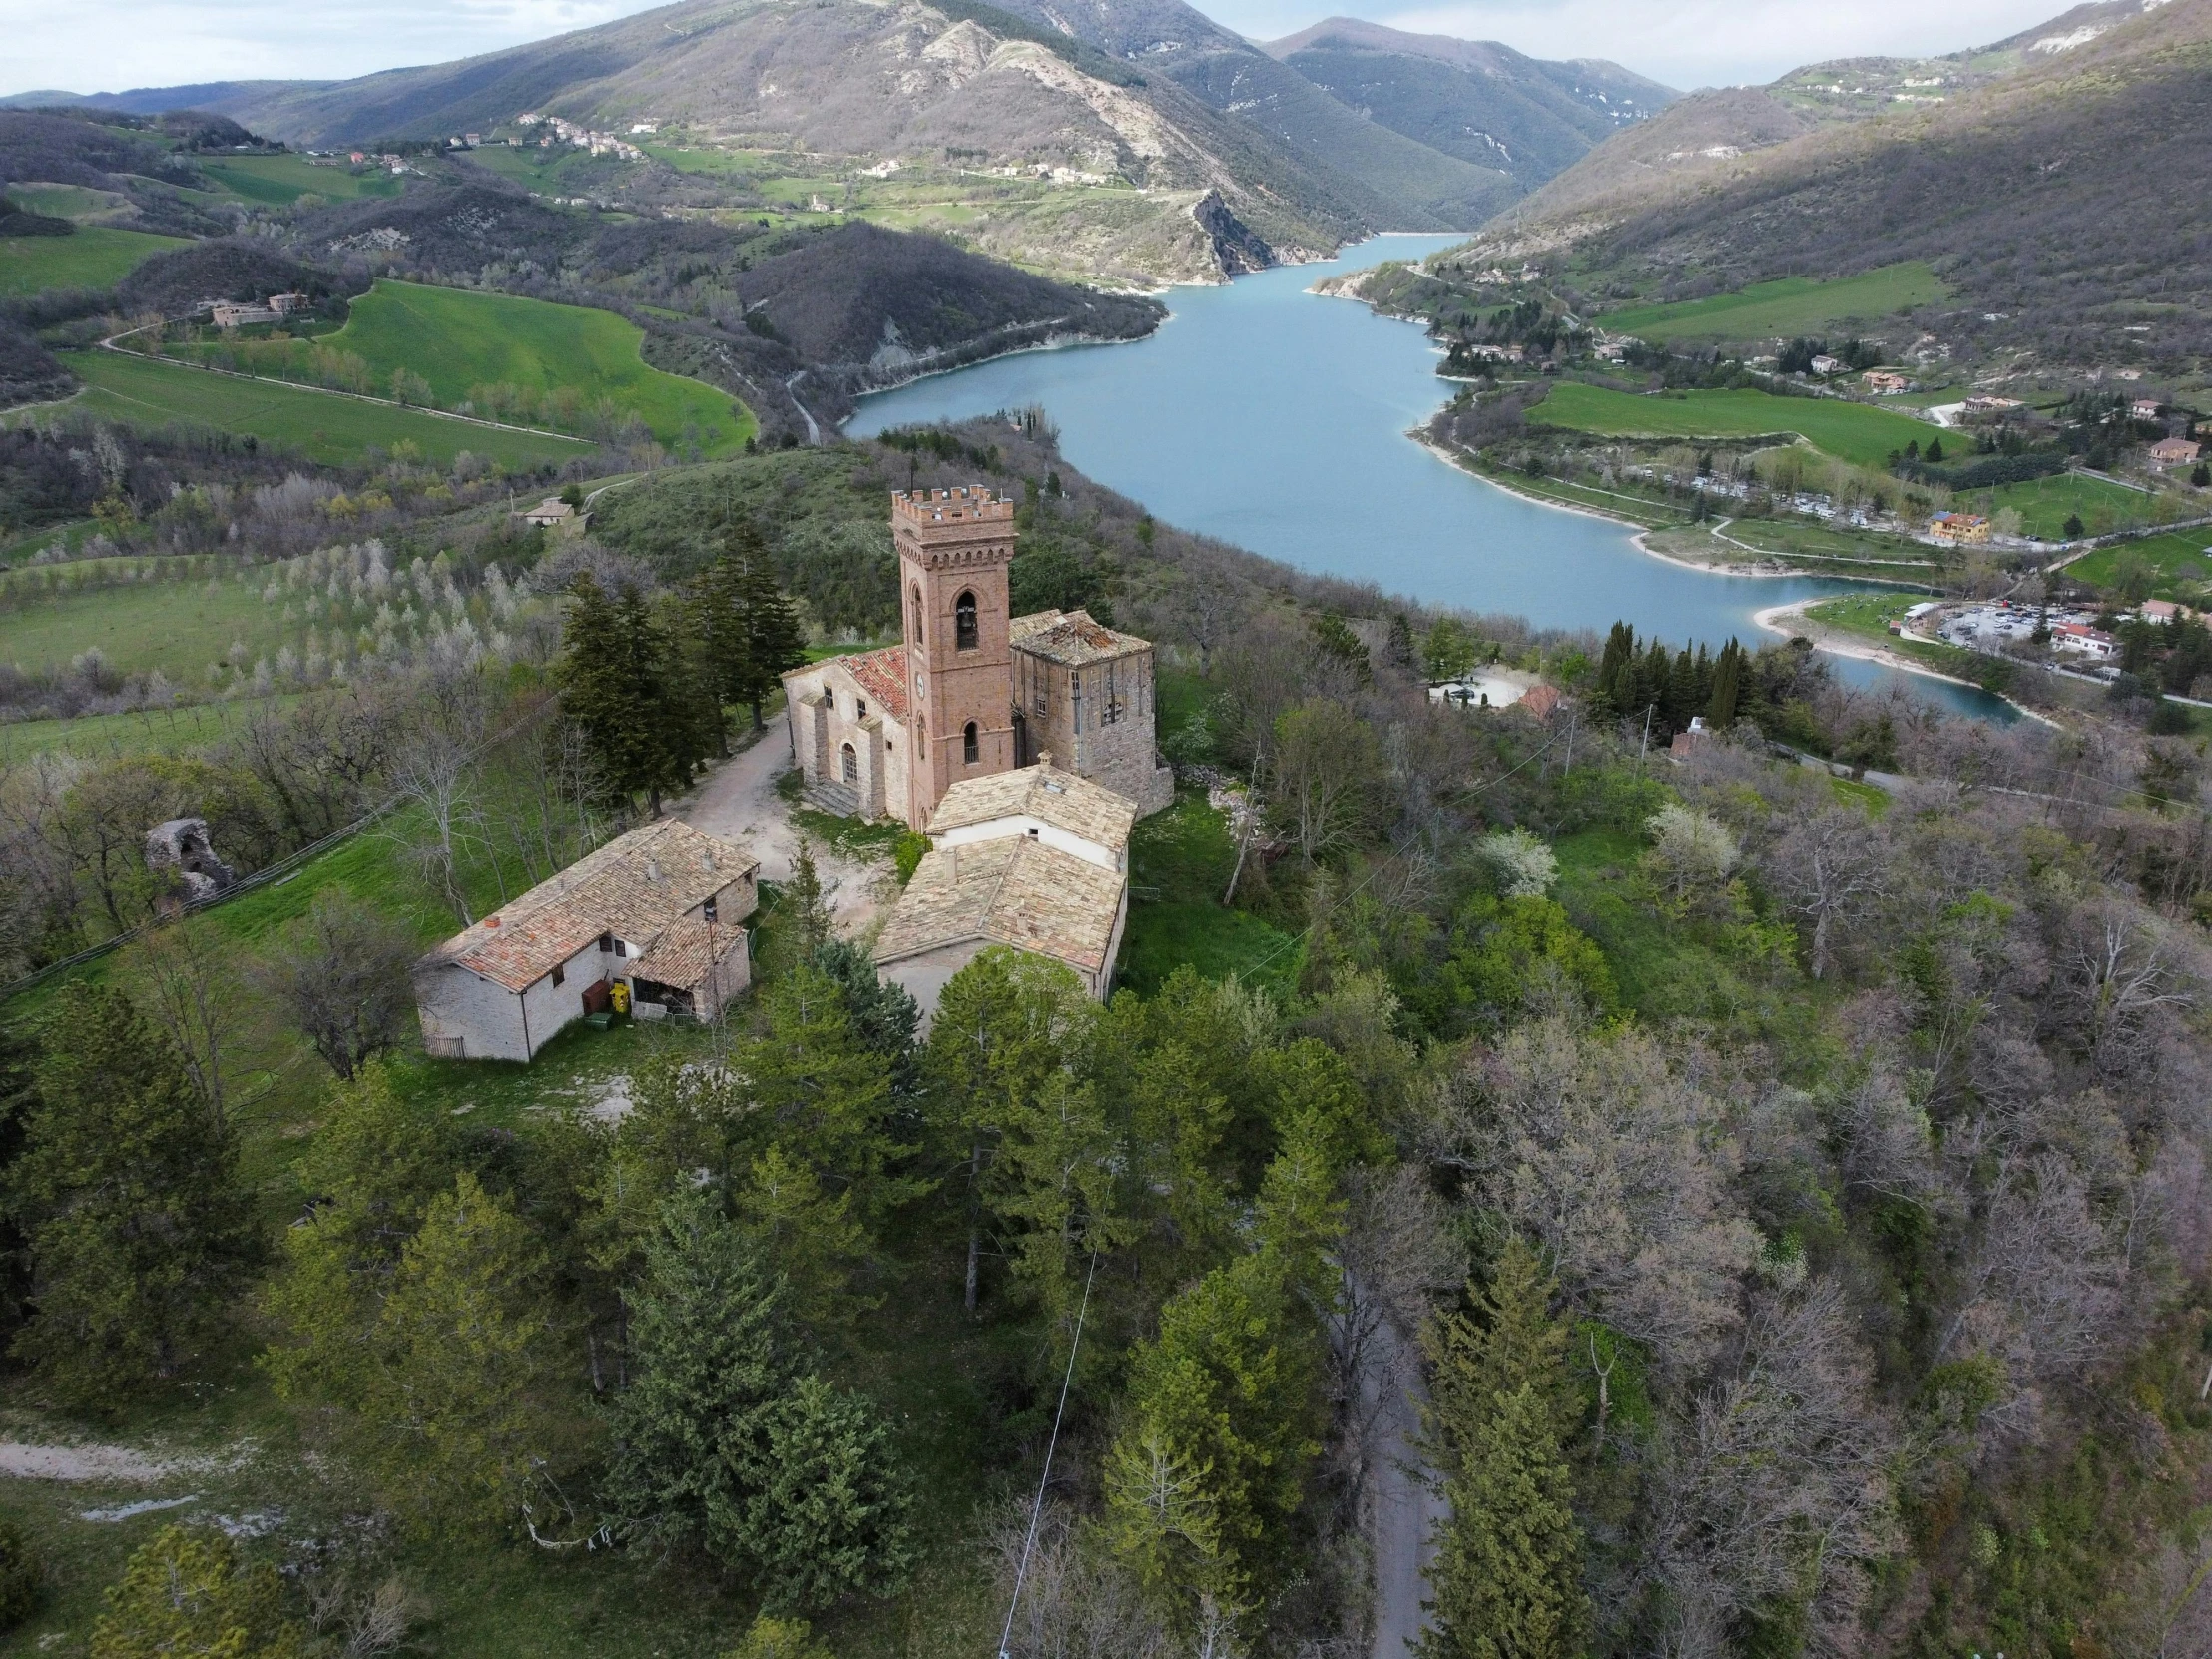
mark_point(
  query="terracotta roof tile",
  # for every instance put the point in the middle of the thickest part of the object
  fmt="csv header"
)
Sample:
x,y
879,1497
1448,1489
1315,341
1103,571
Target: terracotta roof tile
x,y
1058,798
882,675
680,956
1071,638
634,887
1012,891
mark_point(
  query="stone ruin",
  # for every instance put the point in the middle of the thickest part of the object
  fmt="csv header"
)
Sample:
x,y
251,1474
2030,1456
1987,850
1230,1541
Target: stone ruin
x,y
182,844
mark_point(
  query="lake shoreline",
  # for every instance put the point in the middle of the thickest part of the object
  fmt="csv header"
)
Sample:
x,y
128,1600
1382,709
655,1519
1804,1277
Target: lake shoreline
x,y
1840,644
1762,572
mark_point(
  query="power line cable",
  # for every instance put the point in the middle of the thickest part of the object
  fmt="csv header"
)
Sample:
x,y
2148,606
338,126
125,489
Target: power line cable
x,y
1036,1509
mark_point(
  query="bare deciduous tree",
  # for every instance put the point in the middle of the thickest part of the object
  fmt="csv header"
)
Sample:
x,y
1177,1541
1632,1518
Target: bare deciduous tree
x,y
1831,869
1590,1144
1778,1488
187,987
341,974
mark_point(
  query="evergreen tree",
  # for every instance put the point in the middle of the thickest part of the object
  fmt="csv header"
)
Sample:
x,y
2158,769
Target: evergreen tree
x,y
1612,690
1681,700
444,1362
726,1441
773,641
1508,1568
620,683
1728,676
188,1594
18,1102
128,1192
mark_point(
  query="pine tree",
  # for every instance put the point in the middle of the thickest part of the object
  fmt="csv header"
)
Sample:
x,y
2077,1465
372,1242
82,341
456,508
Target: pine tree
x,y
1508,1565
725,1440
622,683
773,641
126,1189
187,1592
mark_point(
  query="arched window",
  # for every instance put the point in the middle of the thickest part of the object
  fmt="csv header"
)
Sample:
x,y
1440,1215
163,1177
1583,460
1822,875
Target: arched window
x,y
851,766
965,636
971,750
918,639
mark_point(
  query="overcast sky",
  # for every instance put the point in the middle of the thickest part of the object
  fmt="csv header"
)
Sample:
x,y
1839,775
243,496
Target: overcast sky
x,y
110,45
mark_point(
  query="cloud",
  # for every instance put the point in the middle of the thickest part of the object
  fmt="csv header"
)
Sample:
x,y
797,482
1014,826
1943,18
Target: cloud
x,y
1690,43
111,45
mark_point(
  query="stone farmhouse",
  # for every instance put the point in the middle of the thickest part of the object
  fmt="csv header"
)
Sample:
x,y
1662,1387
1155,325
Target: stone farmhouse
x,y
972,690
1036,858
660,910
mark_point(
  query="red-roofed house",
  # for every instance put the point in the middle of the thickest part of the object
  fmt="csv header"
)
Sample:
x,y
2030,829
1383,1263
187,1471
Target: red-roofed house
x,y
661,909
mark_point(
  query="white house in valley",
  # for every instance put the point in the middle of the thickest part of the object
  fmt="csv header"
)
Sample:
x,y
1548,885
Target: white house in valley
x,y
661,910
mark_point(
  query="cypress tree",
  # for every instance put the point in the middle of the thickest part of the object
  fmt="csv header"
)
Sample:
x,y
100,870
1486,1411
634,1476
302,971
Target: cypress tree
x,y
1681,700
1728,670
1509,1567
1620,650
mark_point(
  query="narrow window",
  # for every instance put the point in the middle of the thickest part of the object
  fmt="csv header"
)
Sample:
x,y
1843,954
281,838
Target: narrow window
x,y
621,949
918,639
707,912
861,704
851,766
964,632
560,975
606,944
970,750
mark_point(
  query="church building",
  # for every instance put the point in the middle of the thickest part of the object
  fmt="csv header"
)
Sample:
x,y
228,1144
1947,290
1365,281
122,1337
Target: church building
x,y
972,690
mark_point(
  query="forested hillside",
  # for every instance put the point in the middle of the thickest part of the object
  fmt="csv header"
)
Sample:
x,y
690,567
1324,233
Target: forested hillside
x,y
1796,1185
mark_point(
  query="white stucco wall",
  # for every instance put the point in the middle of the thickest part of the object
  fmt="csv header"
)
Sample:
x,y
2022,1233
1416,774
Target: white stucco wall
x,y
1051,834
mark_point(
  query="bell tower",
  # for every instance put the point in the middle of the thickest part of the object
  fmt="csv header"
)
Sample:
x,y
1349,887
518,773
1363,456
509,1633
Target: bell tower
x,y
955,553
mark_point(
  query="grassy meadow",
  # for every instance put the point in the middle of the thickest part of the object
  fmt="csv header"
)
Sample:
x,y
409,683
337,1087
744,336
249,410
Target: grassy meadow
x,y
2177,565
1179,866
1855,432
92,257
323,427
279,180
1793,305
2044,504
461,342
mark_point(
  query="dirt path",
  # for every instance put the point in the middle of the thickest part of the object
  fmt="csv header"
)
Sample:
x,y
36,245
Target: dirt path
x,y
738,800
83,1462
1405,1510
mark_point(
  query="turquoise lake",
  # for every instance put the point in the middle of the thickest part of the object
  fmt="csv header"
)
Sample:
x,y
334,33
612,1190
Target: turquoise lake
x,y
1276,419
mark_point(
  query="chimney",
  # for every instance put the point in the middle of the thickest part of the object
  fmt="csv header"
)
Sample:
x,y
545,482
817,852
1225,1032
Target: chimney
x,y
491,921
1044,757
653,869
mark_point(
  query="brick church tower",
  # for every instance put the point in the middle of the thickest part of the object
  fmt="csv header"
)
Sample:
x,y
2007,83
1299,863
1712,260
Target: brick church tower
x,y
956,552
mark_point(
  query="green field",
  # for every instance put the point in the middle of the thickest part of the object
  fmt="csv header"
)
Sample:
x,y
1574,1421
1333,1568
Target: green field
x,y
1179,866
2179,564
141,732
320,425
95,256
461,342
279,180
1791,307
2044,504
177,627
68,201
1853,433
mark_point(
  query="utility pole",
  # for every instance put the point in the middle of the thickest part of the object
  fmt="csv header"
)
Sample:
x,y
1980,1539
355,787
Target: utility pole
x,y
1646,748
1571,719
